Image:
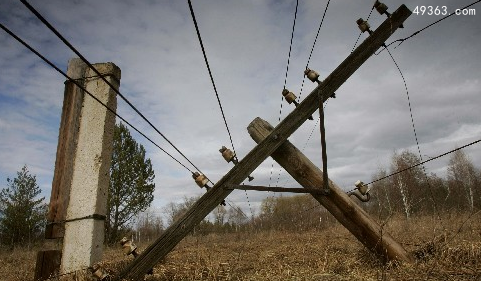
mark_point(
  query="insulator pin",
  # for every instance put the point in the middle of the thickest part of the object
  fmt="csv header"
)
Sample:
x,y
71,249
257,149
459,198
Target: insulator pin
x,y
364,26
99,272
362,187
381,8
230,156
129,247
312,75
291,98
201,180
363,190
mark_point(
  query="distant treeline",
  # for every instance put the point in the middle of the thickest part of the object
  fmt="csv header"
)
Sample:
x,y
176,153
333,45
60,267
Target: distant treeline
x,y
410,193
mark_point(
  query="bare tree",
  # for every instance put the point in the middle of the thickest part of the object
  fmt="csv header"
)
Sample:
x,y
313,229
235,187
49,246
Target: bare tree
x,y
463,178
236,217
381,195
175,210
220,214
410,182
149,226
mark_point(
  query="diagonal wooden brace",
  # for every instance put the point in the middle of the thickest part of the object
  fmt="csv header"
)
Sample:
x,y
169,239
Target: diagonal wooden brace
x,y
337,202
178,230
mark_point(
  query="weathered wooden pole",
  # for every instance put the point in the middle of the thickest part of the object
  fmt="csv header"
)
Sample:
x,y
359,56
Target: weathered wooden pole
x,y
274,188
337,202
48,260
86,211
178,230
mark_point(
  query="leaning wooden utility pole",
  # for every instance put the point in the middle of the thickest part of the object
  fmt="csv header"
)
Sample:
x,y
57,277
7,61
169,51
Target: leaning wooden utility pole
x,y
178,230
338,203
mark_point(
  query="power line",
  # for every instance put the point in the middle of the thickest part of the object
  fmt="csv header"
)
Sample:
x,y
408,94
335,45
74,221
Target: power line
x,y
358,37
414,130
310,136
235,207
210,74
284,87
68,44
423,162
304,77
249,203
76,82
290,45
409,104
312,49
288,60
314,127
426,27
213,84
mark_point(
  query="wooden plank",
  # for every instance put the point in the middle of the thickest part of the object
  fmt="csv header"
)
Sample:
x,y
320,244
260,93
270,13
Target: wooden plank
x,y
47,264
275,188
67,143
338,203
178,230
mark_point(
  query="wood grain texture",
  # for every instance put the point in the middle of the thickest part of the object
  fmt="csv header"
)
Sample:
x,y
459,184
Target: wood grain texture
x,y
274,188
178,230
338,203
67,143
47,264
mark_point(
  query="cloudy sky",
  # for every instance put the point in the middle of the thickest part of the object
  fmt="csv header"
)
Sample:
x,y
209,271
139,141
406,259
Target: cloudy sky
x,y
247,43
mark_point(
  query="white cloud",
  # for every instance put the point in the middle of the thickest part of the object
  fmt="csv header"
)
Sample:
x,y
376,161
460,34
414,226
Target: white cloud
x,y
164,75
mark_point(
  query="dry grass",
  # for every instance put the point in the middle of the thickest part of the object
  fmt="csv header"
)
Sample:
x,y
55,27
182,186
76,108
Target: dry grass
x,y
442,253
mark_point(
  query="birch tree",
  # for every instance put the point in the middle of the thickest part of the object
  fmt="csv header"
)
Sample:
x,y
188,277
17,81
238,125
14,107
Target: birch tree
x,y
463,178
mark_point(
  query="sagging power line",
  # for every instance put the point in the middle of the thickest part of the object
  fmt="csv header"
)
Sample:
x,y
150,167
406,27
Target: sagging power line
x,y
234,158
424,162
285,83
313,45
360,33
414,128
78,84
402,40
68,44
210,74
290,97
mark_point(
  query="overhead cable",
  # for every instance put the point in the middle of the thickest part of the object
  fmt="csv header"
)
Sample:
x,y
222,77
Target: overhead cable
x,y
210,73
426,27
68,44
76,82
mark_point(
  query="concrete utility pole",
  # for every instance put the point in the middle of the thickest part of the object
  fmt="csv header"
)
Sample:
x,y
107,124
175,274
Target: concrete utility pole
x,y
338,203
178,230
79,188
85,219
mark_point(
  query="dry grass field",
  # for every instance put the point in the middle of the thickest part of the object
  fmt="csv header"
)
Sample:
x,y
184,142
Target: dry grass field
x,y
447,249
